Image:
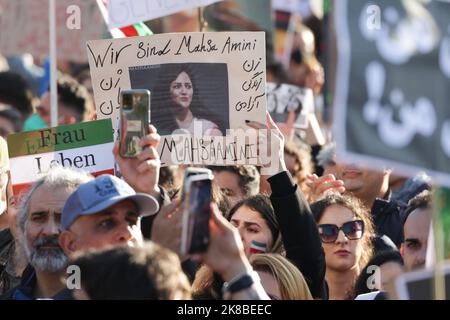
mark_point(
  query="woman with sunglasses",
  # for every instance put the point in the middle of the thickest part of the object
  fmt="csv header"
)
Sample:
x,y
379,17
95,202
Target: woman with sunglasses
x,y
345,230
280,224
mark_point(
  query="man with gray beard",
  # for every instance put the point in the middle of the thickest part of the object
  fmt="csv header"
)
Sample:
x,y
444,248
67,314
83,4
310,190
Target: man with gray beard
x,y
39,227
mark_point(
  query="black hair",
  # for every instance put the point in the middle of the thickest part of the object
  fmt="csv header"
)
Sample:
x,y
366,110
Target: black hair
x,y
379,259
13,116
262,205
150,272
16,92
420,201
75,96
165,109
248,177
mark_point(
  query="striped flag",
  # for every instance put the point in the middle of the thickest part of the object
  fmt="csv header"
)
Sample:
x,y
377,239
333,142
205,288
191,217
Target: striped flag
x,y
83,146
135,30
257,247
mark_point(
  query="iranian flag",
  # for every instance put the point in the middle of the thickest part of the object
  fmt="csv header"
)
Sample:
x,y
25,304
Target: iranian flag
x,y
135,30
83,146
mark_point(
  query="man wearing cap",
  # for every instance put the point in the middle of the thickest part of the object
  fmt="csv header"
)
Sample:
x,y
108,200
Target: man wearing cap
x,y
104,212
39,220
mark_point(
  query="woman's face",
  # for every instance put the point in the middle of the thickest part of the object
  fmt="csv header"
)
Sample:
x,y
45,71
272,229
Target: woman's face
x,y
181,90
343,254
252,227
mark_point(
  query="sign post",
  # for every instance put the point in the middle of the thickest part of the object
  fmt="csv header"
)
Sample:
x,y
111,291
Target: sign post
x,y
53,71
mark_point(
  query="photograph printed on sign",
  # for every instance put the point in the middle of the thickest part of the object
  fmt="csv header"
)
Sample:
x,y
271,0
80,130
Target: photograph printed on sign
x,y
187,98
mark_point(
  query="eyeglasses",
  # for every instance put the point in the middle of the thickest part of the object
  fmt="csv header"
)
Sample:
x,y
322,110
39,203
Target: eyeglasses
x,y
353,230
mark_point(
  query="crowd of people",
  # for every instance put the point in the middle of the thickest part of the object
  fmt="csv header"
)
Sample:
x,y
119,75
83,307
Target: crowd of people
x,y
314,228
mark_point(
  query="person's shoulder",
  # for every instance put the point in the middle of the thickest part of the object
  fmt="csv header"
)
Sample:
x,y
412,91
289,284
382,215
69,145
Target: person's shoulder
x,y
209,127
5,238
207,124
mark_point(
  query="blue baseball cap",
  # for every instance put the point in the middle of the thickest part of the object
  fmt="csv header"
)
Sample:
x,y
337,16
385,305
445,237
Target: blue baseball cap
x,y
100,194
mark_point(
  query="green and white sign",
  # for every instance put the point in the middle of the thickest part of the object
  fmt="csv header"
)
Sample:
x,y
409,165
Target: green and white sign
x,y
84,146
393,85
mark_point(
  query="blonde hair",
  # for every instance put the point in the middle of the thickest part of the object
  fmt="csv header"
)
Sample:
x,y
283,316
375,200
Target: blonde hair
x,y
290,280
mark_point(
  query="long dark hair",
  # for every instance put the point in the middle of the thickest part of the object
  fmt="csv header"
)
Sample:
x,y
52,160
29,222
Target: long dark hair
x,y
356,206
262,205
164,108
378,260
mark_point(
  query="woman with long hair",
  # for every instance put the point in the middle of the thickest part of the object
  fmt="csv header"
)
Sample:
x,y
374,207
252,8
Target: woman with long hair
x,y
282,223
178,108
345,230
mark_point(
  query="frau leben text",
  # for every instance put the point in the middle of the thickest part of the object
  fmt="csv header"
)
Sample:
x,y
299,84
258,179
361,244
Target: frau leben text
x,y
49,139
79,162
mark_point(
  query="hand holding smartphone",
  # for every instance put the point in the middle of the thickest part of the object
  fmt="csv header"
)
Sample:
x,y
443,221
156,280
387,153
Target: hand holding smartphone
x,y
134,121
197,198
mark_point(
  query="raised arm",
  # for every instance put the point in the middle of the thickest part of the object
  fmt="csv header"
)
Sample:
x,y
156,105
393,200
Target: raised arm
x,y
297,226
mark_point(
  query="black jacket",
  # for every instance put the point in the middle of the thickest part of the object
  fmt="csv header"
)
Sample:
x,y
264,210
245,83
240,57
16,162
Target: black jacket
x,y
7,251
299,232
24,291
388,218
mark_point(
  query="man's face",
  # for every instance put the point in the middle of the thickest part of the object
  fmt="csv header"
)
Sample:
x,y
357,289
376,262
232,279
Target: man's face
x,y
359,180
42,228
229,185
416,230
117,225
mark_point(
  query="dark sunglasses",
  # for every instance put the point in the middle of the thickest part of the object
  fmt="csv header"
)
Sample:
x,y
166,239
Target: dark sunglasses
x,y
353,230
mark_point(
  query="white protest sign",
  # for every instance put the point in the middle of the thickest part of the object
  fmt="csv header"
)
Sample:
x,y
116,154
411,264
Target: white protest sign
x,y
85,146
283,98
202,83
126,12
24,27
293,6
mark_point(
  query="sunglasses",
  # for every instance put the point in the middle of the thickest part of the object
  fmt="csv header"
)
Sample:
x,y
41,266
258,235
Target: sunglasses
x,y
353,230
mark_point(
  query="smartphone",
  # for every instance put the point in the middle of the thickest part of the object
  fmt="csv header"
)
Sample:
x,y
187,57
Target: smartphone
x,y
134,120
195,230
192,171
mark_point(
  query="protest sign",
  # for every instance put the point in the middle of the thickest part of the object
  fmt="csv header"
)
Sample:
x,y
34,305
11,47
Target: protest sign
x,y
126,12
393,74
85,146
283,98
24,25
292,6
419,285
220,83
